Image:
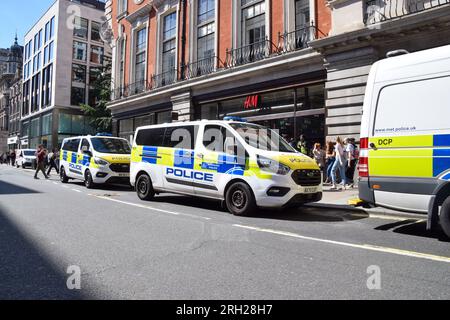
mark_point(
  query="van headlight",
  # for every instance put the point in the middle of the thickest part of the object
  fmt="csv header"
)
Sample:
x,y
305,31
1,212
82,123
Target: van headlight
x,y
100,162
273,166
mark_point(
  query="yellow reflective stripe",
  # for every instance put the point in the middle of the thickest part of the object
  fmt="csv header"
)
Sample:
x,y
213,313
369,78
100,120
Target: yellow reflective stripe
x,y
403,141
136,153
167,156
401,162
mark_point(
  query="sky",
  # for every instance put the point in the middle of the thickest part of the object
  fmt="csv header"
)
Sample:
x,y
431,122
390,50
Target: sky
x,y
21,16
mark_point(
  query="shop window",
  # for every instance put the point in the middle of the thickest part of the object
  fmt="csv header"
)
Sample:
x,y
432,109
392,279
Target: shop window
x,y
78,124
47,124
34,128
65,123
164,117
144,121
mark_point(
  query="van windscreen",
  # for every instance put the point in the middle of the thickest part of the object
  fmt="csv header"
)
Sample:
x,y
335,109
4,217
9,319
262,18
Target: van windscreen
x,y
111,145
261,137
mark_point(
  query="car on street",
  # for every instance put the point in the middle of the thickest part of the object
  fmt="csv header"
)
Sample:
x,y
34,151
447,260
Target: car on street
x,y
25,158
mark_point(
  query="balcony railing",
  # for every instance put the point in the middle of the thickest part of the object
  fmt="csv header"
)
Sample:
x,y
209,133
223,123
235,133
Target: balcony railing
x,y
164,79
250,53
202,67
384,10
287,42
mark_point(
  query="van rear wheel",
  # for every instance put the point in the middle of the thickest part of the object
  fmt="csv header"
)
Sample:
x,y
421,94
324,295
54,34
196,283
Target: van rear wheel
x,y
444,217
144,187
240,200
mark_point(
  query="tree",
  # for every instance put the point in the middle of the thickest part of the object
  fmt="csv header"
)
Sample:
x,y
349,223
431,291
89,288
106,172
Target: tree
x,y
101,91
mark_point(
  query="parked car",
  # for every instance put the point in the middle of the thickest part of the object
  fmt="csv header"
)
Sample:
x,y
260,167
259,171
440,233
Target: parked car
x,y
26,158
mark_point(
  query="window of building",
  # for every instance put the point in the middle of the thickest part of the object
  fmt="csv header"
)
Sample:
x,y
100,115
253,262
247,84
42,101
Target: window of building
x,y
78,96
206,41
122,52
52,28
140,55
94,73
95,31
206,10
80,27
47,76
47,32
46,124
97,54
302,16
169,42
253,21
25,98
121,7
80,51
78,73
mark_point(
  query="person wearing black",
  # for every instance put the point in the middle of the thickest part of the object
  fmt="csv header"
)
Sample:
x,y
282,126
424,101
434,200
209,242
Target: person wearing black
x,y
52,157
12,157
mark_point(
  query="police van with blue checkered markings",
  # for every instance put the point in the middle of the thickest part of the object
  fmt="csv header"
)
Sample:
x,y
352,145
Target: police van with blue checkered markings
x,y
95,160
245,165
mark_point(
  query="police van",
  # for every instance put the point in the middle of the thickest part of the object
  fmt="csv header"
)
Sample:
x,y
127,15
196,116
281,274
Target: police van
x,y
245,165
405,135
95,160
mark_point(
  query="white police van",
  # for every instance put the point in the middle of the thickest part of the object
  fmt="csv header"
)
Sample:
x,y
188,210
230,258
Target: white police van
x,y
243,164
95,160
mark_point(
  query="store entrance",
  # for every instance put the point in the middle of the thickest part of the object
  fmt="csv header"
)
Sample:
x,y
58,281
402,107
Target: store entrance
x,y
312,127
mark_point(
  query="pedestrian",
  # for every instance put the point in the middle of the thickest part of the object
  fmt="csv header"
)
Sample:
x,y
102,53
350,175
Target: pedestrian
x,y
8,158
40,159
302,145
339,165
319,156
52,156
330,157
12,157
352,156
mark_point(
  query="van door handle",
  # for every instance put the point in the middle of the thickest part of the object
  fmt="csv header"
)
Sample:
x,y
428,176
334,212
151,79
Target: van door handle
x,y
373,146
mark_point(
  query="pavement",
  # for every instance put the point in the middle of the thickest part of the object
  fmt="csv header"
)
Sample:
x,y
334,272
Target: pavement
x,y
178,247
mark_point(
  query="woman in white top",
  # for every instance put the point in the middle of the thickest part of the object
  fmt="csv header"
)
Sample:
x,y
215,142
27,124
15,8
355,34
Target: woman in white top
x,y
339,164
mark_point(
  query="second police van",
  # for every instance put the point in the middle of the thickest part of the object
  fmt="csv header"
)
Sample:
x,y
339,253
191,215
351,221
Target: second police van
x,y
405,135
245,165
95,160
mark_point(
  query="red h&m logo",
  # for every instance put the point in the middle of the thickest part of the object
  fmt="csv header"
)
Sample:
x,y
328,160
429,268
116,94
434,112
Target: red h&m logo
x,y
251,102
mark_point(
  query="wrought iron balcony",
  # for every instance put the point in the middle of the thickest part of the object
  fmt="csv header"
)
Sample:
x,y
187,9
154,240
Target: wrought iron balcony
x,y
298,39
384,10
202,67
130,90
250,53
164,79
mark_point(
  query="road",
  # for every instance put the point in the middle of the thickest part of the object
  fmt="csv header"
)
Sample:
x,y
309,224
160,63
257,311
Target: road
x,y
185,248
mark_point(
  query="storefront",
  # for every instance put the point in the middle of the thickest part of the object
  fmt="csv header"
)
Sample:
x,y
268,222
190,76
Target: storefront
x,y
293,111
49,129
13,143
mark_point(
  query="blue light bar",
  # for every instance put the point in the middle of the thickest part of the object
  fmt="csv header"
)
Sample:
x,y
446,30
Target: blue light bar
x,y
232,118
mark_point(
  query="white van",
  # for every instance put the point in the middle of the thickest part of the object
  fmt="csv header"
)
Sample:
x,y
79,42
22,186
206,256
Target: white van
x,y
245,165
95,160
405,135
25,158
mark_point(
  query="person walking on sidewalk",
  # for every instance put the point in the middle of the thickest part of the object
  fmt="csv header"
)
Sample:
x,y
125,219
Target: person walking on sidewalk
x,y
52,156
330,158
339,164
12,157
40,159
351,151
319,156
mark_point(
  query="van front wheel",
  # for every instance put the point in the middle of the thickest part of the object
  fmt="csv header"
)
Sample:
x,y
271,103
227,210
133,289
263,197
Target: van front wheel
x,y
144,187
63,176
444,217
240,200
88,181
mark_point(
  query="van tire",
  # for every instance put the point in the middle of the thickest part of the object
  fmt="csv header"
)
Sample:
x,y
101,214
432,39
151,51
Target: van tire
x,y
62,175
88,182
239,199
444,217
144,187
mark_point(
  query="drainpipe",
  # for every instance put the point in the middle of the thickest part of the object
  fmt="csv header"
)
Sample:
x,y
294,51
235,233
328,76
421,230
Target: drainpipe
x,y
183,4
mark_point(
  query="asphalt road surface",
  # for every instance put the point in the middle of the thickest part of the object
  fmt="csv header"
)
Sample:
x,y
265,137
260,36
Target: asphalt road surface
x,y
178,247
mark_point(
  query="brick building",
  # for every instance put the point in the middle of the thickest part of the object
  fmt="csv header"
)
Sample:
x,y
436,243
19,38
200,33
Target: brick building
x,y
179,60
